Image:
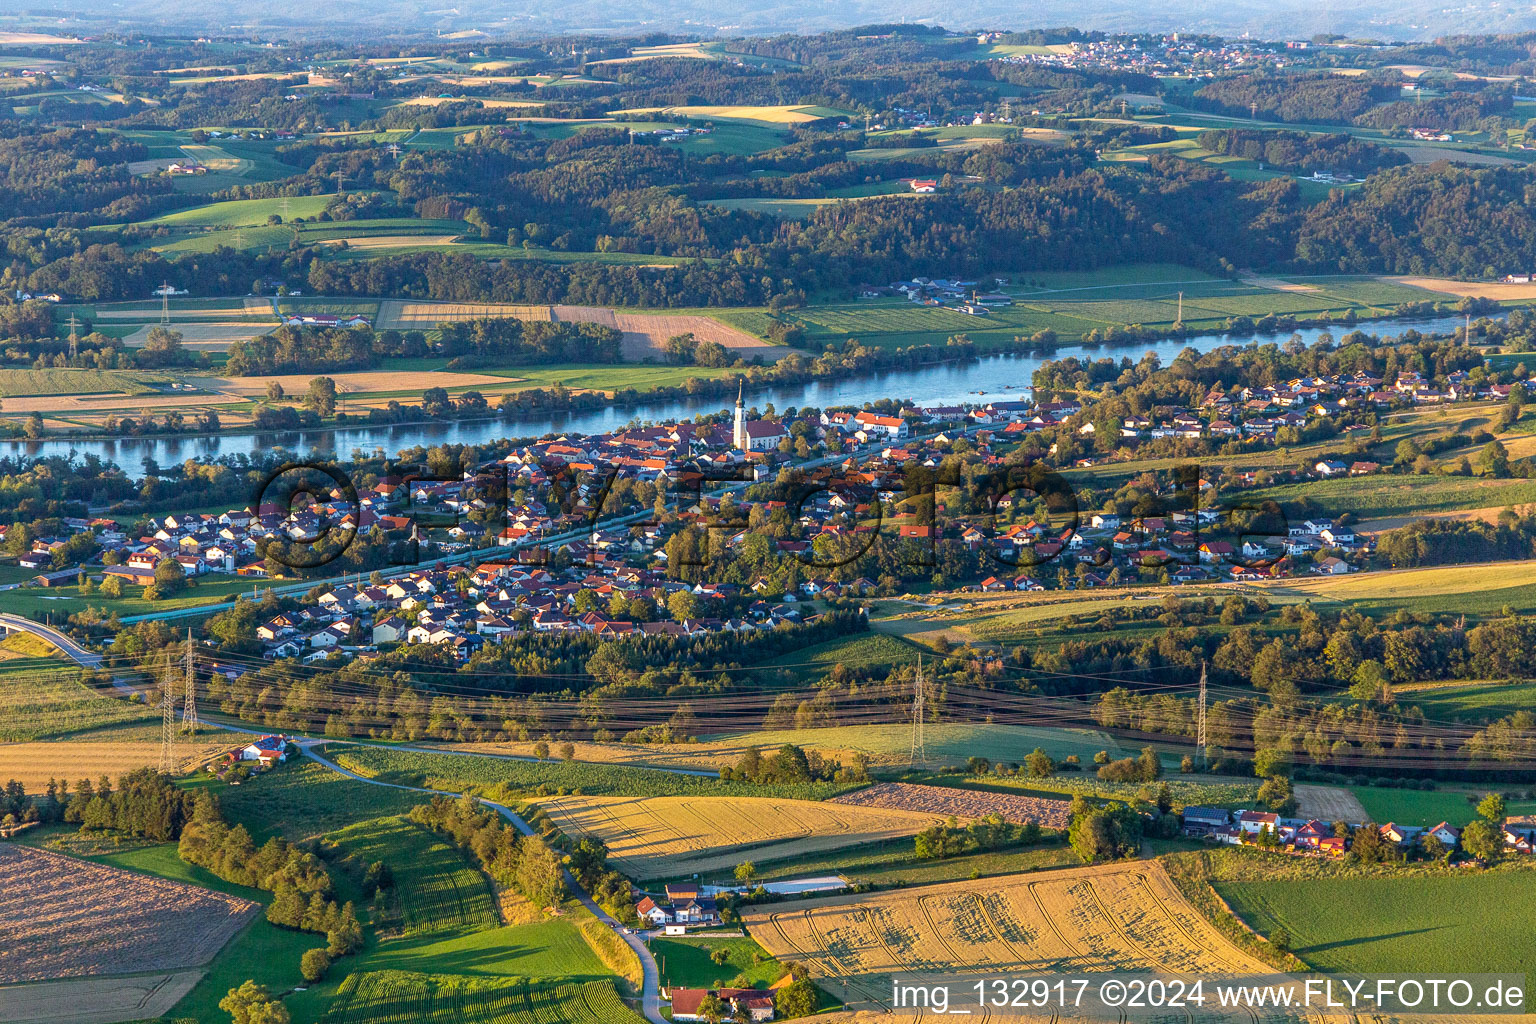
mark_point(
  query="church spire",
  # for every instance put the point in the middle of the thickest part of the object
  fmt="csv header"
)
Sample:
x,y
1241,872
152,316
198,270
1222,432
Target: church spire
x,y
739,427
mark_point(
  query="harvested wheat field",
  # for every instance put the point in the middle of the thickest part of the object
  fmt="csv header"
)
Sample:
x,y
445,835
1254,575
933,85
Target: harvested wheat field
x,y
1113,917
363,242
95,1000
1484,289
646,334
1329,803
119,402
350,383
962,803
1434,154
68,918
204,337
237,308
404,315
33,764
677,836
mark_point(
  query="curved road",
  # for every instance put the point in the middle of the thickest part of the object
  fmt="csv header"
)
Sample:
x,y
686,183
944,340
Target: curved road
x,y
73,651
650,996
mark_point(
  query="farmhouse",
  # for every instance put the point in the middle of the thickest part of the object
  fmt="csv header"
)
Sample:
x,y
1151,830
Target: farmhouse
x,y
325,320
268,750
1203,821
650,911
686,1002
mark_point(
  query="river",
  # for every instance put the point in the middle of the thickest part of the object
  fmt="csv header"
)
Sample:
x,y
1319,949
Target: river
x,y
991,378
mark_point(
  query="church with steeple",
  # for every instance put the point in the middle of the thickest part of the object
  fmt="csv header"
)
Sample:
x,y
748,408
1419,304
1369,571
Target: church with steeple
x,y
756,436
739,429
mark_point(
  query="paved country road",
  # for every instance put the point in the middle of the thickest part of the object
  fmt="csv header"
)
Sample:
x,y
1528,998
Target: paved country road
x,y
650,997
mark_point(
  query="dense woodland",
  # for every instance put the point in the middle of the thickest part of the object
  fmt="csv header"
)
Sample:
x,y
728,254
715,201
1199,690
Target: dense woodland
x,y
69,199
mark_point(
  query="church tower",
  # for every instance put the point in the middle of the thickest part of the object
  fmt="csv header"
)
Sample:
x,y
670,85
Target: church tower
x,y
739,430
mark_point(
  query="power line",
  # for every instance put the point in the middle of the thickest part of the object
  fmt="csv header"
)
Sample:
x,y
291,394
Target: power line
x,y
919,753
167,725
189,702
1200,723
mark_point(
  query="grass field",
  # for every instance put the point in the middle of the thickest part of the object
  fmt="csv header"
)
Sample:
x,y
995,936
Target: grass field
x,y
1384,925
864,650
244,212
36,603
1124,916
689,964
1428,807
1474,589
307,800
675,837
1378,497
402,997
436,887
1470,701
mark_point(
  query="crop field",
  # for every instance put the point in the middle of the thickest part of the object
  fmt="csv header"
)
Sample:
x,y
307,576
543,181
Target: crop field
x,y
457,772
96,1000
49,700
1125,917
1385,925
181,310
68,918
944,802
405,315
1489,289
1211,790
1368,291
402,997
437,888
646,334
674,837
17,382
204,337
889,744
361,381
1476,589
782,115
111,751
864,650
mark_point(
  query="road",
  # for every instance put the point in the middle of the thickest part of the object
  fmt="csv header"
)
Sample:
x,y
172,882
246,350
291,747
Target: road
x,y
73,651
650,995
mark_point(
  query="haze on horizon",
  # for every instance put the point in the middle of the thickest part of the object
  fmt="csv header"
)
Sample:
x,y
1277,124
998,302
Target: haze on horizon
x,y
1282,19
